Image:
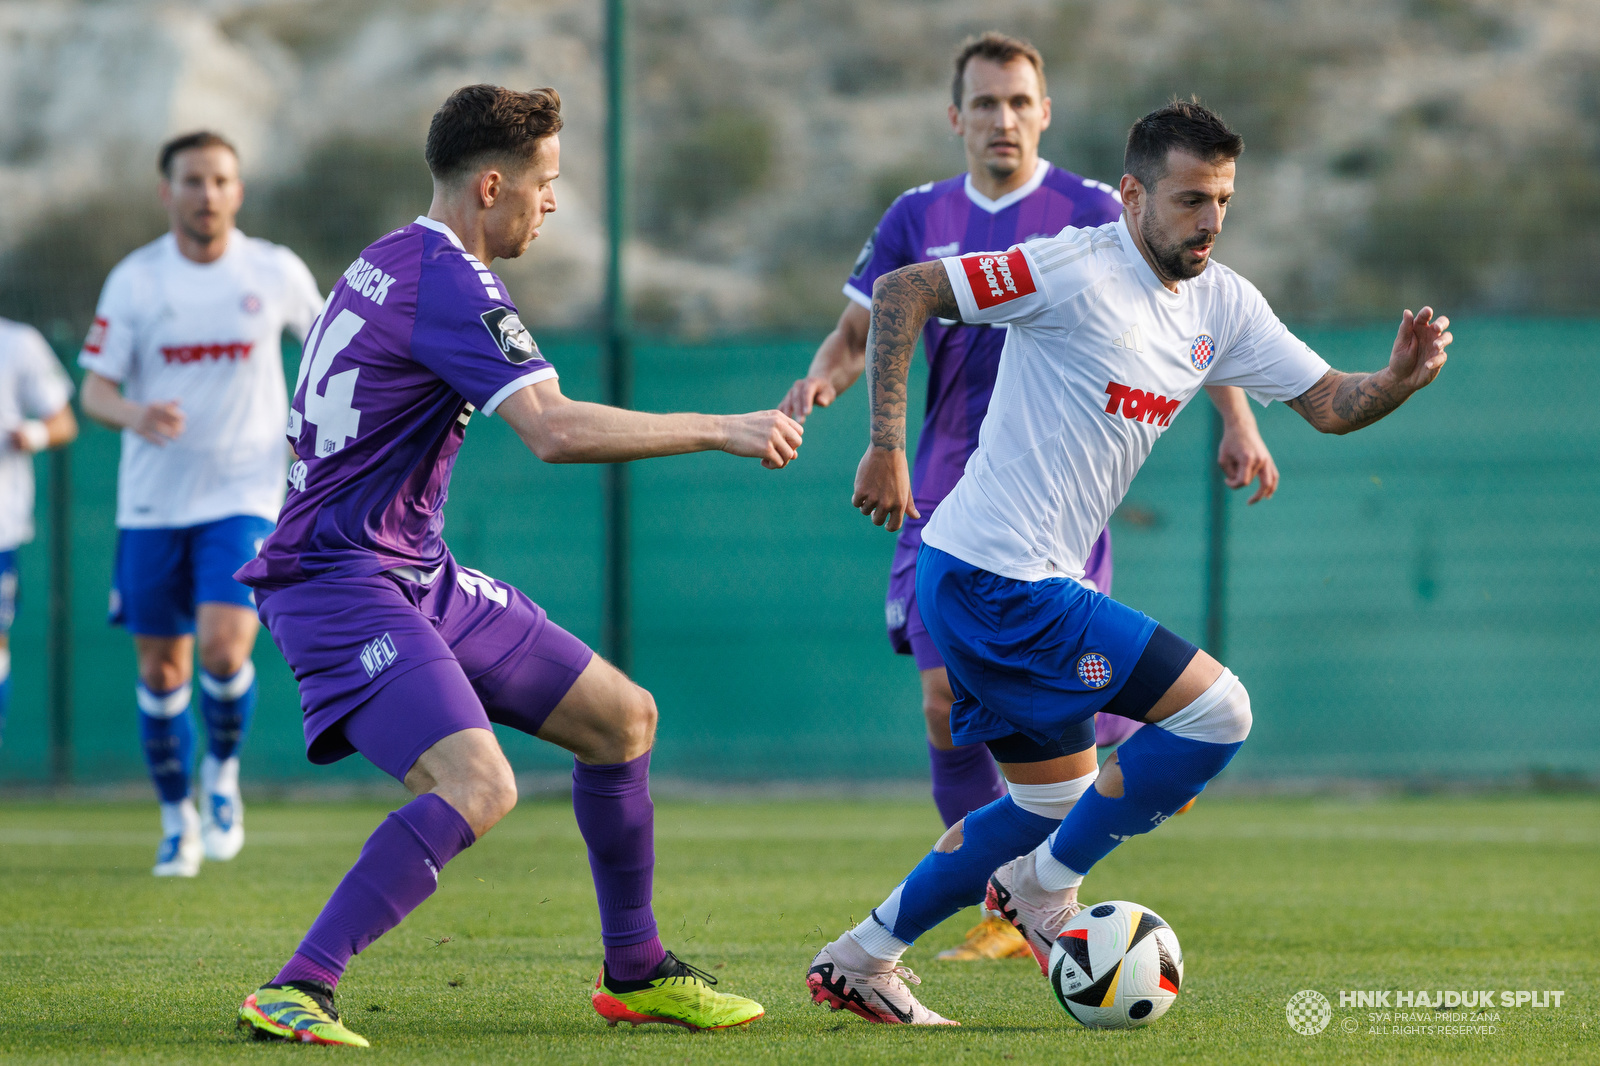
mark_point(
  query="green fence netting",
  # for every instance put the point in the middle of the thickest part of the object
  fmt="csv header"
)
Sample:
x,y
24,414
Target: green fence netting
x,y
1420,598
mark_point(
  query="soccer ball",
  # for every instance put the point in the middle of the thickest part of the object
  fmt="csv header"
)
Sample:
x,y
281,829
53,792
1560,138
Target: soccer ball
x,y
1116,965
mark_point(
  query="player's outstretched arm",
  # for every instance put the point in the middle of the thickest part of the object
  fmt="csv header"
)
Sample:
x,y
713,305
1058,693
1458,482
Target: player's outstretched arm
x,y
562,430
1243,455
159,423
1343,403
902,302
840,359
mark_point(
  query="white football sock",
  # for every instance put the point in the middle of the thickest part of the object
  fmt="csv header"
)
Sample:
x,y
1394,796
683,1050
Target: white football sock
x,y
179,819
873,934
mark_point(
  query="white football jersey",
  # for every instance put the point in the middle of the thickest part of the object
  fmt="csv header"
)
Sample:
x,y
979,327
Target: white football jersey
x,y
32,386
1099,358
207,335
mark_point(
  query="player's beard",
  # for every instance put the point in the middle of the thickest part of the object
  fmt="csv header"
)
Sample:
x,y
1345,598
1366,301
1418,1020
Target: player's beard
x,y
1169,254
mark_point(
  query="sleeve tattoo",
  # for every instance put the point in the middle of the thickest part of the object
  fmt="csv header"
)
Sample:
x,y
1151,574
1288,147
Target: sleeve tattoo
x,y
1342,403
902,302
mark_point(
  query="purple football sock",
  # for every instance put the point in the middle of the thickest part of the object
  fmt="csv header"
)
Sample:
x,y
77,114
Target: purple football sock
x,y
617,820
398,869
964,780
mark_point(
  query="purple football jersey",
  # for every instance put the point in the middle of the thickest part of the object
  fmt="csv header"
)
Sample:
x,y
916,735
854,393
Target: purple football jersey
x,y
951,218
415,337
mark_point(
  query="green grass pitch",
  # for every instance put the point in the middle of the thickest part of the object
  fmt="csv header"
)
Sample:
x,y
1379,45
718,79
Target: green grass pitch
x,y
101,962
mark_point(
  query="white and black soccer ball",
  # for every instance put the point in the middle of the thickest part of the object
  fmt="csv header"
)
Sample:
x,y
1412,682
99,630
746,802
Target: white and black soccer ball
x,y
1116,965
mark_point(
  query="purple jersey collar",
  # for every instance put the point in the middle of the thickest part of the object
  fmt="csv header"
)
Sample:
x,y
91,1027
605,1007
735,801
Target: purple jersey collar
x,y
994,207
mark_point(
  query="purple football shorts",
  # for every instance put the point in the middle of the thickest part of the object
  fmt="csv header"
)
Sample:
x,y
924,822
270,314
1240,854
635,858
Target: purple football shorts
x,y
907,634
389,666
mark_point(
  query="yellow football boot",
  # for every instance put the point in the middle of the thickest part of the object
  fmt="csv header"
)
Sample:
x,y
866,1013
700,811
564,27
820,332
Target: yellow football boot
x,y
678,994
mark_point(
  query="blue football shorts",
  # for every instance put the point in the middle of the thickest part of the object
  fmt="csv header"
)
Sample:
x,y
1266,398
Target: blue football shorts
x,y
1031,662
161,575
9,578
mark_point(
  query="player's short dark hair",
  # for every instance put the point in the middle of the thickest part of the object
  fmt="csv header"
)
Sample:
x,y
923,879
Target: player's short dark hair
x,y
482,122
1184,125
197,139
996,48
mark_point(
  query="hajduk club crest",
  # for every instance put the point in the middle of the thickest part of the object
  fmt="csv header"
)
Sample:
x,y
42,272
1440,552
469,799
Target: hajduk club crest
x,y
1202,350
1094,670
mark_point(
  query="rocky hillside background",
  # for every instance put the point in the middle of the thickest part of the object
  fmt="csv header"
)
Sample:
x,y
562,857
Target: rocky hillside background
x,y
1398,150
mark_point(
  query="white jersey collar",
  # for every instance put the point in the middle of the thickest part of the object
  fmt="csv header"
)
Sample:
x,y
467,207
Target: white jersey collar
x,y
440,227
994,207
236,241
1142,267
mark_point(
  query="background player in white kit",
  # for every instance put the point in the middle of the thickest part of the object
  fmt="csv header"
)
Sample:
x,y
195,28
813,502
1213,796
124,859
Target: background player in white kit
x,y
184,357
34,415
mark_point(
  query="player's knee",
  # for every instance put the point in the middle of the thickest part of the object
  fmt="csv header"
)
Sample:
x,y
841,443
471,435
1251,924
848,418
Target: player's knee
x,y
1219,715
638,732
163,675
952,838
489,797
222,658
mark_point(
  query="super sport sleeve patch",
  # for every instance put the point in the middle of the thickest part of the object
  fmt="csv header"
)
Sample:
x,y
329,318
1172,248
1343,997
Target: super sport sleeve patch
x,y
998,277
994,287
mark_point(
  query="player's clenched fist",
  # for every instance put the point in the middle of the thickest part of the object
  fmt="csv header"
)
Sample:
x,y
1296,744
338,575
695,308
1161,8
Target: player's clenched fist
x,y
883,488
771,436
161,423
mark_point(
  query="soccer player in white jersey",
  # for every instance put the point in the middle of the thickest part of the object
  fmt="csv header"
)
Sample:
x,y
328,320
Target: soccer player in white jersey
x,y
184,358
34,415
1075,411
999,108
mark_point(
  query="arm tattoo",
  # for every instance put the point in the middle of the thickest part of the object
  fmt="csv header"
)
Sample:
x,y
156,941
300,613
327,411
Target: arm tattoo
x,y
1342,403
902,302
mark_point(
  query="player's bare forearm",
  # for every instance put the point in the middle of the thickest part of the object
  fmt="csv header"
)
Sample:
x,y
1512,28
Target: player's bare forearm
x,y
62,428
1344,403
902,303
842,356
1232,404
103,401
560,430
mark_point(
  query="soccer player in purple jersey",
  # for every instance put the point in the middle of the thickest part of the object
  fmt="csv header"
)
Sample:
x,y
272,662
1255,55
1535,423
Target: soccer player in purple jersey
x,y
1008,195
405,656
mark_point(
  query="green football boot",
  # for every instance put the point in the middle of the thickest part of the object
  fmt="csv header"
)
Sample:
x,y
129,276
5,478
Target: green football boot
x,y
299,1010
678,994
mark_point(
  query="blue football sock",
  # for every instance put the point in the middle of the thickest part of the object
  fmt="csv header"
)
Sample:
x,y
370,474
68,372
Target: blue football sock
x,y
946,881
227,704
168,737
1160,773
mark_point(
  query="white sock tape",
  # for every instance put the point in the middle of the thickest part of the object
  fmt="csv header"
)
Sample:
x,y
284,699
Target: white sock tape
x,y
165,705
1219,715
5,664
1053,800
228,689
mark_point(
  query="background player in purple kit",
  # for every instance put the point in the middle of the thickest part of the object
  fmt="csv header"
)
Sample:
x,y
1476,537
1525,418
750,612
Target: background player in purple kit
x,y
1008,195
407,657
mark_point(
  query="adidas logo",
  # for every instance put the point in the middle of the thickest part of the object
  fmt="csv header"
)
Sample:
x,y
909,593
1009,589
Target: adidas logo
x,y
1130,339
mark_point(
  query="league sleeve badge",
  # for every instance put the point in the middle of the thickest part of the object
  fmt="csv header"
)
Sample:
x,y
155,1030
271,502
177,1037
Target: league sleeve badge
x,y
510,335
